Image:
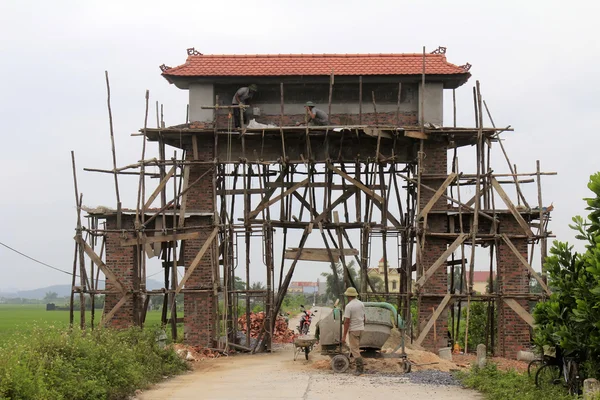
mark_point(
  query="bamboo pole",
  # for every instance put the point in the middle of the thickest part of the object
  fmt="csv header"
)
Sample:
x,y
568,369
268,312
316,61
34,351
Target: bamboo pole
x,y
112,142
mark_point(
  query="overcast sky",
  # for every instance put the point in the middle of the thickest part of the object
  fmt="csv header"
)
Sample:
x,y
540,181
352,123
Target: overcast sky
x,y
536,60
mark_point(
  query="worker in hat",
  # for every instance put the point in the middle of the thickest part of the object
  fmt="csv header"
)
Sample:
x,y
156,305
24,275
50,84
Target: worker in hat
x,y
315,116
242,97
354,325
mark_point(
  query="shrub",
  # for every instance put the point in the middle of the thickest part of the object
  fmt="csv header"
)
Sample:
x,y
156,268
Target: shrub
x,y
570,317
50,363
501,385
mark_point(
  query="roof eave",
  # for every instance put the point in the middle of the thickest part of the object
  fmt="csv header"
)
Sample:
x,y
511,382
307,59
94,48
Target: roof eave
x,y
450,81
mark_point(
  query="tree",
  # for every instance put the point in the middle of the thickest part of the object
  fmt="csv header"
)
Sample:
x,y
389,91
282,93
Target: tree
x,y
570,317
50,297
331,291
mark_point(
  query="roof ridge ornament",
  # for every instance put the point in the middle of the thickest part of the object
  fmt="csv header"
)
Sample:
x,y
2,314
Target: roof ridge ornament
x,y
193,52
466,66
439,50
164,67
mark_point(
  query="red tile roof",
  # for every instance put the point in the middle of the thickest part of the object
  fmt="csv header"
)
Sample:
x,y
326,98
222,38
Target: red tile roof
x,y
313,64
482,276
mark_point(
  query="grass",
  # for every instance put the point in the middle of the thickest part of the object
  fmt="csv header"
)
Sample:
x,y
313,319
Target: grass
x,y
502,385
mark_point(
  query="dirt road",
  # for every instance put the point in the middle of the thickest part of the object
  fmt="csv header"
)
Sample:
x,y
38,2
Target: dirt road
x,y
277,376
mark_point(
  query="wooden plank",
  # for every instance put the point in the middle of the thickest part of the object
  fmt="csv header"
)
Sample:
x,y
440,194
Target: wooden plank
x,y
511,207
521,312
159,188
525,263
114,310
182,205
103,267
437,195
161,238
314,254
433,318
376,132
358,184
262,206
416,135
197,260
441,261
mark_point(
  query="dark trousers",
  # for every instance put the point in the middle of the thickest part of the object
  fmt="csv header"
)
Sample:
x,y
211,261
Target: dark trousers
x,y
237,119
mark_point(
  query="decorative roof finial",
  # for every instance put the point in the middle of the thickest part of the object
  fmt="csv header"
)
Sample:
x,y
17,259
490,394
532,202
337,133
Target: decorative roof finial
x,y
466,67
193,52
164,67
439,50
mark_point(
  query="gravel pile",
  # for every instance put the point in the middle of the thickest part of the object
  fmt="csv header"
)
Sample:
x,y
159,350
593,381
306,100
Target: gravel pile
x,y
432,377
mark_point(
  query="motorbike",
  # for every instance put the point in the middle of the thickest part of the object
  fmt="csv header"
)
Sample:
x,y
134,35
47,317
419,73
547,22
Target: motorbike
x,y
305,320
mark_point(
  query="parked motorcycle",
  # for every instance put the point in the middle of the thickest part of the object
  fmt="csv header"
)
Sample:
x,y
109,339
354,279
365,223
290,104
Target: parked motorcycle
x,y
305,320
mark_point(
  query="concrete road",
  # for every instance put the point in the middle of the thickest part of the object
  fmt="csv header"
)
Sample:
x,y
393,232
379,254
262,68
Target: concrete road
x,y
277,376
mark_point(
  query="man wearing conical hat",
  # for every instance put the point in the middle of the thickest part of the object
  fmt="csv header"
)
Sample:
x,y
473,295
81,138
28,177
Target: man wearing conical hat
x,y
354,325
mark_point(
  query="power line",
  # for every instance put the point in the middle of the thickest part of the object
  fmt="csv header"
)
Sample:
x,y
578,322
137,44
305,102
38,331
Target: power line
x,y
37,261
54,268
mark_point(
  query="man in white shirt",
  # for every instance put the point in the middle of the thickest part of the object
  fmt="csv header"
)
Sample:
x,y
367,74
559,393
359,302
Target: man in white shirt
x,y
354,325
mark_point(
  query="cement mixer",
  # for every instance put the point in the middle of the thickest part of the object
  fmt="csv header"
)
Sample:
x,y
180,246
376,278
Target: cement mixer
x,y
380,318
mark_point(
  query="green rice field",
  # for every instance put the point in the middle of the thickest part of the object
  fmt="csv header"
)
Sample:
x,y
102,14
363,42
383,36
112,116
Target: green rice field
x,y
17,319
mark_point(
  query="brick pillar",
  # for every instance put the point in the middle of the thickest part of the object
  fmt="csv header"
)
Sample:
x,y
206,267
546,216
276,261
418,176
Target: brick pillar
x,y
435,161
200,308
121,260
513,331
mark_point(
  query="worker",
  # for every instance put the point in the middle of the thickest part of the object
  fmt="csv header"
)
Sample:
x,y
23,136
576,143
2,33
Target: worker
x,y
240,98
315,115
354,326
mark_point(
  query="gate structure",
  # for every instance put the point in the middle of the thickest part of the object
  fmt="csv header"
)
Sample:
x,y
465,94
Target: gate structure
x,y
375,182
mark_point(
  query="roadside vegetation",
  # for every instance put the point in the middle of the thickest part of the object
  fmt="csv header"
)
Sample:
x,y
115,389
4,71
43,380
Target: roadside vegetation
x,y
49,362
502,385
569,318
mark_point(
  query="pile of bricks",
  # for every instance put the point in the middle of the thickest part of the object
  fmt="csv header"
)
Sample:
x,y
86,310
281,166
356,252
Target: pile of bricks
x,y
281,333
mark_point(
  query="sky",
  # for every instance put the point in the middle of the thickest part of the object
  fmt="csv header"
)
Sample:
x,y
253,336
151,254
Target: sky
x,y
536,61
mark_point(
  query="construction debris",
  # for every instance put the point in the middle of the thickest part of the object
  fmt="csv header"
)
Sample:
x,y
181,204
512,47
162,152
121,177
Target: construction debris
x,y
281,333
197,353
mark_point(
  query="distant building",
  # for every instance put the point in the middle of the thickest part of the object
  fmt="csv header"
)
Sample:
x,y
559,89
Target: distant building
x,y
393,276
481,280
303,287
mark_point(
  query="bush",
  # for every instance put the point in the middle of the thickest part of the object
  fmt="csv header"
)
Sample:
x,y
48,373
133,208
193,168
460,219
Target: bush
x,y
570,317
50,363
502,385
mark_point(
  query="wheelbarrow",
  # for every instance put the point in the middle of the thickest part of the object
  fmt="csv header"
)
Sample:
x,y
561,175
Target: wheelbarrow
x,y
303,344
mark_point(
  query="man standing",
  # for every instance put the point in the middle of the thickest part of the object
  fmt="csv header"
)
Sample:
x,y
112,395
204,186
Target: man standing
x,y
242,97
354,325
315,115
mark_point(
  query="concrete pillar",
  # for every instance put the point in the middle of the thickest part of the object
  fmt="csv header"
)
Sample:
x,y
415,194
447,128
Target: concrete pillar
x,y
433,103
481,355
202,94
591,389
